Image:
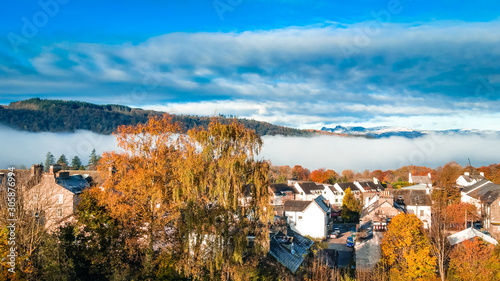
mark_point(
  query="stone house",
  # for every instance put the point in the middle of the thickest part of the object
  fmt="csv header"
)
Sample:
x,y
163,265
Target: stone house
x,y
55,195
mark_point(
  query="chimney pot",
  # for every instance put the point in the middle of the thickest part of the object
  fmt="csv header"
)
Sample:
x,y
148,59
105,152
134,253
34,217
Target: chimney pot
x,y
55,168
467,173
36,170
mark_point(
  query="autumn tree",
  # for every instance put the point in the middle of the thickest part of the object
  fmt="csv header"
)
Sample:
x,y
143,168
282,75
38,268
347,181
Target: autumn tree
x,y
446,183
140,185
438,236
323,176
347,175
30,231
474,260
459,214
351,207
300,173
189,200
406,250
225,198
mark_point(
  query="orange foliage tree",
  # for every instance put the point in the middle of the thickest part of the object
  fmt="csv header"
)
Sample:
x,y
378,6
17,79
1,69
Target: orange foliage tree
x,y
474,260
406,250
300,173
456,214
193,196
323,176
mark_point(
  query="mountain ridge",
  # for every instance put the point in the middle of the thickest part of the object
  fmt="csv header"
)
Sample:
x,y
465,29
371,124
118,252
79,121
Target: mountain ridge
x,y
388,131
45,115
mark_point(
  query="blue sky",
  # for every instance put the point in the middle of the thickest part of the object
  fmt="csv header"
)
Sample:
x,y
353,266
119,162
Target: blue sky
x,y
305,64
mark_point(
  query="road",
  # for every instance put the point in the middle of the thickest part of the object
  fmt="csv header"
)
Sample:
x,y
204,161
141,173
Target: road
x,y
339,244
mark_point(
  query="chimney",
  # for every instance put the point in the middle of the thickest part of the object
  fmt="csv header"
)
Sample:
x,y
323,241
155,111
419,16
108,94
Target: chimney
x,y
429,175
36,170
467,173
63,175
482,174
409,178
375,180
54,169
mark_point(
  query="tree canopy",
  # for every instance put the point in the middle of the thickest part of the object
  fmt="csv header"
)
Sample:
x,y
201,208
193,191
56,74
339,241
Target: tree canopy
x,y
406,249
199,195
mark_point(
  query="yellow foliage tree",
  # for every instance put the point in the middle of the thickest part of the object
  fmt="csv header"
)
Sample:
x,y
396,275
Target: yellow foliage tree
x,y
406,249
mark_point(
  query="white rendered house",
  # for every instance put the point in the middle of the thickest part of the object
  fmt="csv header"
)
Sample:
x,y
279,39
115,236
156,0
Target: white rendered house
x,y
309,218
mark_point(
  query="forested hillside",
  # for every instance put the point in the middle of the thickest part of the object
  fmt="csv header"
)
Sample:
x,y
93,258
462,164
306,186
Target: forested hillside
x,y
39,115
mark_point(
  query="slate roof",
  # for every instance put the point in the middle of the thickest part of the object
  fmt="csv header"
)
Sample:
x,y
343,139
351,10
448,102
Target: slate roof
x,y
321,201
478,184
296,205
421,179
75,183
411,197
471,178
345,185
370,185
310,186
484,190
468,234
281,188
280,249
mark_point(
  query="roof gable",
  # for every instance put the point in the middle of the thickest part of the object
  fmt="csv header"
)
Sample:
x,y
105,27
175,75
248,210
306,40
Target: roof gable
x,y
321,201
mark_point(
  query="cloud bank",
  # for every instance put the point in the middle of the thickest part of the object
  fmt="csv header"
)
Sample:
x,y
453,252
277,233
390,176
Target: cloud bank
x,y
26,148
337,153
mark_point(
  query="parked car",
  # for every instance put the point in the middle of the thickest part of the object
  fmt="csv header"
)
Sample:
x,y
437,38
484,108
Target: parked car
x,y
334,235
350,242
336,230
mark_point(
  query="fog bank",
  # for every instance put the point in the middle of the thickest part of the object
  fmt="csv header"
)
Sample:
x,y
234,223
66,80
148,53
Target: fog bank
x,y
332,152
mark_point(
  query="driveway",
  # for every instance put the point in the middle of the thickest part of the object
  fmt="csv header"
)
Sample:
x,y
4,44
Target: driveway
x,y
339,244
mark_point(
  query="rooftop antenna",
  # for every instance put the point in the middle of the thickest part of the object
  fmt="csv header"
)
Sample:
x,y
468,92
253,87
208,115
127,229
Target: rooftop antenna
x,y
470,166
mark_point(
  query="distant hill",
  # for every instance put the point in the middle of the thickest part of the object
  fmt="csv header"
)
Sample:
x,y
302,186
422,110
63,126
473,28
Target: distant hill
x,y
386,132
40,115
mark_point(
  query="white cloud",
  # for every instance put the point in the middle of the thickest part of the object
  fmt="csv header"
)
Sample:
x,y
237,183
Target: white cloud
x,y
340,153
26,148
331,152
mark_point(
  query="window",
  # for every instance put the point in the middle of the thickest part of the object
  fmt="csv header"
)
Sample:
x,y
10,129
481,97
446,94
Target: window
x,y
59,212
301,193
336,200
59,198
300,217
421,213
